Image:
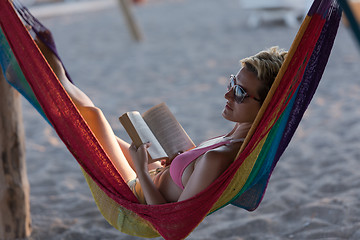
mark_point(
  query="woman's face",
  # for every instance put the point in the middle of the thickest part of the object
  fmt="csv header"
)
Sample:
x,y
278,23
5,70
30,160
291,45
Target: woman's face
x,y
246,111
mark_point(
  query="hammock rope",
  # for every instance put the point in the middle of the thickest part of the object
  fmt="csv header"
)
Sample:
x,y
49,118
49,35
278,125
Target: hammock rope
x,y
243,183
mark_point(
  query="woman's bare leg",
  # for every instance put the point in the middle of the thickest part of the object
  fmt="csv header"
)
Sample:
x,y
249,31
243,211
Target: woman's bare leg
x,y
93,116
105,135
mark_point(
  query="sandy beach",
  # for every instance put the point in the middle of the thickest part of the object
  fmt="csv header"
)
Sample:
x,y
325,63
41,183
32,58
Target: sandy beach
x,y
189,50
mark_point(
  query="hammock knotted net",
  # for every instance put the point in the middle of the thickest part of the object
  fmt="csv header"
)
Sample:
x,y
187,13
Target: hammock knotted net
x,y
242,184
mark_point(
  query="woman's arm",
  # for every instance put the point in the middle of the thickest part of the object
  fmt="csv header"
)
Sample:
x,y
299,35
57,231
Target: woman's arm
x,y
125,149
207,170
140,158
151,193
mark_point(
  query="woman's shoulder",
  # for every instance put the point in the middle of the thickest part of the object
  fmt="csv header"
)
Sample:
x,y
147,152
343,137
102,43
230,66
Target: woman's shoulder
x,y
225,152
221,155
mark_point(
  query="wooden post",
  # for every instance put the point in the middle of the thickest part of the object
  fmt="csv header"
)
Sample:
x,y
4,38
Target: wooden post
x,y
130,20
15,221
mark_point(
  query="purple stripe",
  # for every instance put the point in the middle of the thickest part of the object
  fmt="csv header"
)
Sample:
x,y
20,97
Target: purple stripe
x,y
312,76
320,7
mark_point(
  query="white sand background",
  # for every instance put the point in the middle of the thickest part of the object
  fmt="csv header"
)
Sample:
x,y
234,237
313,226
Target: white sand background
x,y
189,50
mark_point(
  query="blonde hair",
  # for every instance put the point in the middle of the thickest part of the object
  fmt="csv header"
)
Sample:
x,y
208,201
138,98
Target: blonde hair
x,y
265,65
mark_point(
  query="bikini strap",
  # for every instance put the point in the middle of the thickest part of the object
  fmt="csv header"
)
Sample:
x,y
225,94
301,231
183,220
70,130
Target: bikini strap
x,y
236,140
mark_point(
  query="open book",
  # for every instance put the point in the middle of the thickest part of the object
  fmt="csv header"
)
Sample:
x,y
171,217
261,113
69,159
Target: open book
x,y
160,127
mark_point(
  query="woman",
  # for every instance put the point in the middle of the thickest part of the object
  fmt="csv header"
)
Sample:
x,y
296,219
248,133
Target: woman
x,y
193,171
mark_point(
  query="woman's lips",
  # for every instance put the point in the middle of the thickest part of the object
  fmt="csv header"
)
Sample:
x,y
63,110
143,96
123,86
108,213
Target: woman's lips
x,y
228,106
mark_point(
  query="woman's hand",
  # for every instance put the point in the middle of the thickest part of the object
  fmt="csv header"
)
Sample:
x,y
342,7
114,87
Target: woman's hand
x,y
140,156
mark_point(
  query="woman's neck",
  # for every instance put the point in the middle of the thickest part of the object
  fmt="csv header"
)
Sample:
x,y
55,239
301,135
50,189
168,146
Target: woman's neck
x,y
239,131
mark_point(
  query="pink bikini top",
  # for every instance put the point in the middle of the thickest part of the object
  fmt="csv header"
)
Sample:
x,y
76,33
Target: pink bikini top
x,y
180,162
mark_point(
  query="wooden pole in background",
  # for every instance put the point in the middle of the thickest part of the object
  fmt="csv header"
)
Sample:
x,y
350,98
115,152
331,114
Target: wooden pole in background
x,y
15,220
130,20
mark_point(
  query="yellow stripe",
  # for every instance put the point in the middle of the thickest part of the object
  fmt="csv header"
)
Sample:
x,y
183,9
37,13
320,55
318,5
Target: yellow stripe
x,y
119,217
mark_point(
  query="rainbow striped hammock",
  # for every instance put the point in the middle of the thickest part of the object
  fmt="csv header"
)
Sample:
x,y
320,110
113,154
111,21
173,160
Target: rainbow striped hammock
x,y
243,184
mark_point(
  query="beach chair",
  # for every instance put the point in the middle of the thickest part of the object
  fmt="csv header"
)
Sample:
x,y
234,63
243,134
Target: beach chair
x,y
265,11
242,184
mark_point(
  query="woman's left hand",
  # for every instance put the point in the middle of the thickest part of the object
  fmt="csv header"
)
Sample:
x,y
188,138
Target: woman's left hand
x,y
140,156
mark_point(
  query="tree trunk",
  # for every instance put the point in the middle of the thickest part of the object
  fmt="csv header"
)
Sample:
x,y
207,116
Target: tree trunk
x,y
15,221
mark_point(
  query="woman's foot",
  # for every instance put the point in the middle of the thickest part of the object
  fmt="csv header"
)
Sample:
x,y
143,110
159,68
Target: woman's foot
x,y
52,59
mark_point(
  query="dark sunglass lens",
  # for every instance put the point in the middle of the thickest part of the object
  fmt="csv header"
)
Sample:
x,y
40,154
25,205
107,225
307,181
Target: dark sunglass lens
x,y
239,94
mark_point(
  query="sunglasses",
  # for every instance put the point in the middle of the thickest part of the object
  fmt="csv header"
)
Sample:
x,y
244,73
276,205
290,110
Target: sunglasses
x,y
239,93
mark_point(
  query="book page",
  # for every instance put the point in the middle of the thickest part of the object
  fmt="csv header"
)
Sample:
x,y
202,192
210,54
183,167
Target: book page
x,y
140,133
167,130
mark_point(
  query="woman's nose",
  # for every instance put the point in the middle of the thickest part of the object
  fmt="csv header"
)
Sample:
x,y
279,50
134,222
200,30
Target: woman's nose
x,y
229,94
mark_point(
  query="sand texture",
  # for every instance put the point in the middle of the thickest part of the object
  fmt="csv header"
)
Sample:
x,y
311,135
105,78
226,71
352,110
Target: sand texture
x,y
189,50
